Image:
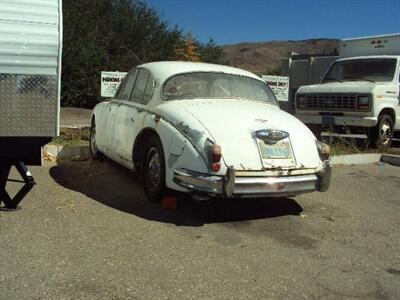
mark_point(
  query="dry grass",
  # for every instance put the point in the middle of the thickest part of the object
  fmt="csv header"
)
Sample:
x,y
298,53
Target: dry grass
x,y
72,137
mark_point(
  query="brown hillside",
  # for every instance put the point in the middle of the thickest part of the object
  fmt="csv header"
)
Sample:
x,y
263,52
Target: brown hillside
x,y
261,57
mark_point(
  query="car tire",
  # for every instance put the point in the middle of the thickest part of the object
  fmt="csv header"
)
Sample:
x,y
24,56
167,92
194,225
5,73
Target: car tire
x,y
94,151
154,170
381,135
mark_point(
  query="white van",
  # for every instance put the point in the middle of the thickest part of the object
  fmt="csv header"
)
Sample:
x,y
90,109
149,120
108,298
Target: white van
x,y
360,91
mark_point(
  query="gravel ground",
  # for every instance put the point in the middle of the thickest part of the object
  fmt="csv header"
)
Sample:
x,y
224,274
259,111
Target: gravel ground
x,y
86,232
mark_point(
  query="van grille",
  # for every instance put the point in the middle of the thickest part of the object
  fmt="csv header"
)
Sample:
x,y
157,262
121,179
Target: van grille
x,y
328,102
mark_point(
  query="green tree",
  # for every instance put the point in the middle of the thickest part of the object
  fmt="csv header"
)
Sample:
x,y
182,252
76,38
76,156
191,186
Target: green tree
x,y
212,53
116,35
109,35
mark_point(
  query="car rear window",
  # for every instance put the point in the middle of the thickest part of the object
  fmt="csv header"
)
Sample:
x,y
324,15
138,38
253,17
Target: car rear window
x,y
216,85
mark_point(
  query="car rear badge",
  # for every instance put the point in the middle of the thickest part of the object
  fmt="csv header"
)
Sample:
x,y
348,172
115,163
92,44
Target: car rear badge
x,y
271,136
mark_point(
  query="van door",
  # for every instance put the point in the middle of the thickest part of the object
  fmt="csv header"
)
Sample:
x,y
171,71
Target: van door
x,y
131,113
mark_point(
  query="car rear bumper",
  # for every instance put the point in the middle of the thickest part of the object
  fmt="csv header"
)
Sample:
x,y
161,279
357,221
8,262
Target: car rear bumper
x,y
232,186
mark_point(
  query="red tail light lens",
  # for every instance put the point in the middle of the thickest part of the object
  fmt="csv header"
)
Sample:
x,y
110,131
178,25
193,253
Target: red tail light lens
x,y
216,153
216,167
215,157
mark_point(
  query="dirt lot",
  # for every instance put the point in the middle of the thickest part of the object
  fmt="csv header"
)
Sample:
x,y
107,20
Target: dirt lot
x,y
86,232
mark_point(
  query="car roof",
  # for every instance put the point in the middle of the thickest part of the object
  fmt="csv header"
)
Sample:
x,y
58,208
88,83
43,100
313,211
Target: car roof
x,y
165,69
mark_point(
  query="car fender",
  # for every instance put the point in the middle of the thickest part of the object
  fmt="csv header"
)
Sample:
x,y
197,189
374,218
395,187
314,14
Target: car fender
x,y
98,116
179,150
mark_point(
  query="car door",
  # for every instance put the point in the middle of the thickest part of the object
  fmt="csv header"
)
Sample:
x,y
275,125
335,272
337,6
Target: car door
x,y
111,111
130,114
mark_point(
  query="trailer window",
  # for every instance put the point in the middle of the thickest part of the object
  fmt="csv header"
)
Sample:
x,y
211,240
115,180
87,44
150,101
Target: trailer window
x,y
379,69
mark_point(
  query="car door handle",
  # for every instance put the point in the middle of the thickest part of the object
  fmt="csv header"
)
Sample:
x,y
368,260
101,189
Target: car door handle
x,y
132,120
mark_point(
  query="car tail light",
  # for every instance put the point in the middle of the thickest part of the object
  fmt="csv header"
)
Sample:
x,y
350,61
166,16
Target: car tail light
x,y
323,150
215,157
216,167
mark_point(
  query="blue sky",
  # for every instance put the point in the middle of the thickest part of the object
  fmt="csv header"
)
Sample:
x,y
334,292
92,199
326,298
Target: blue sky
x,y
234,21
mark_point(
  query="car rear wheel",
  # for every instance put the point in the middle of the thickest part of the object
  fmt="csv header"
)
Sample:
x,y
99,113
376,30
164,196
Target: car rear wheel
x,y
94,150
154,170
381,135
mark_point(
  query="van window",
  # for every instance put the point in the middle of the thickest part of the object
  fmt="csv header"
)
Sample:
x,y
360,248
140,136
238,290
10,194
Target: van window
x,y
373,69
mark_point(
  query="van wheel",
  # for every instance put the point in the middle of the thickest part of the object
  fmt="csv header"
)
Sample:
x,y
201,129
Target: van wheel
x,y
381,135
154,170
94,151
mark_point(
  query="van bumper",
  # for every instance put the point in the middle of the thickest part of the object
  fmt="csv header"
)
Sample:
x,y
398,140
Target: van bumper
x,y
338,120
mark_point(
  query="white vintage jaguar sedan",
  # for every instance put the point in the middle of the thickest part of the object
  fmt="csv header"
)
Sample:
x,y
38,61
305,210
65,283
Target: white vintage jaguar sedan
x,y
207,130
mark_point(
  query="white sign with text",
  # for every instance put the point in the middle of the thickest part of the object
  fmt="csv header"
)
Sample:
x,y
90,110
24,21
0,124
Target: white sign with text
x,y
110,82
279,85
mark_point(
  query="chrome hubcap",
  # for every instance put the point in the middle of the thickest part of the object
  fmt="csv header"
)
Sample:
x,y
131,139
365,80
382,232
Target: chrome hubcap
x,y
385,133
154,167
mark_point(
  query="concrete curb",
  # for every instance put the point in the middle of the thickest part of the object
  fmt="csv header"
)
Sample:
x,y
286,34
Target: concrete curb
x,y
83,152
355,159
391,159
67,152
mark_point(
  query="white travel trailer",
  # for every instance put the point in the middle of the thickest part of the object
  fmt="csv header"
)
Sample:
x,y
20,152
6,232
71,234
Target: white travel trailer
x,y
30,71
360,91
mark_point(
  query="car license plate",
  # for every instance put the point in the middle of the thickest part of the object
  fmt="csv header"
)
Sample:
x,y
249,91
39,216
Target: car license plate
x,y
277,151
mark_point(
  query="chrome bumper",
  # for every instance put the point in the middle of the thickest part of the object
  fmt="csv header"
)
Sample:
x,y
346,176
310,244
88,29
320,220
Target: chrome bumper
x,y
232,186
339,120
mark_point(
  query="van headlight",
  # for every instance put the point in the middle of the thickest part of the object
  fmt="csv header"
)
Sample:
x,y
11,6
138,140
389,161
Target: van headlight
x,y
301,101
363,103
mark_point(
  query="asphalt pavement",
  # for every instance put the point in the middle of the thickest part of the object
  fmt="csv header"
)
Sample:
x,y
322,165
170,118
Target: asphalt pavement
x,y
87,232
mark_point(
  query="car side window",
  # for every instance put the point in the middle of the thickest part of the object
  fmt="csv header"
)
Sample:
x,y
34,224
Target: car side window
x,y
148,92
140,86
128,82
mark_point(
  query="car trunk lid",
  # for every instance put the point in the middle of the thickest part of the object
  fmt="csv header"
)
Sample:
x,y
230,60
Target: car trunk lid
x,y
233,124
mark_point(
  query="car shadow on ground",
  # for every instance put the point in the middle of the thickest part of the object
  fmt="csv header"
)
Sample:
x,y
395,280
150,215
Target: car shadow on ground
x,y
112,185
